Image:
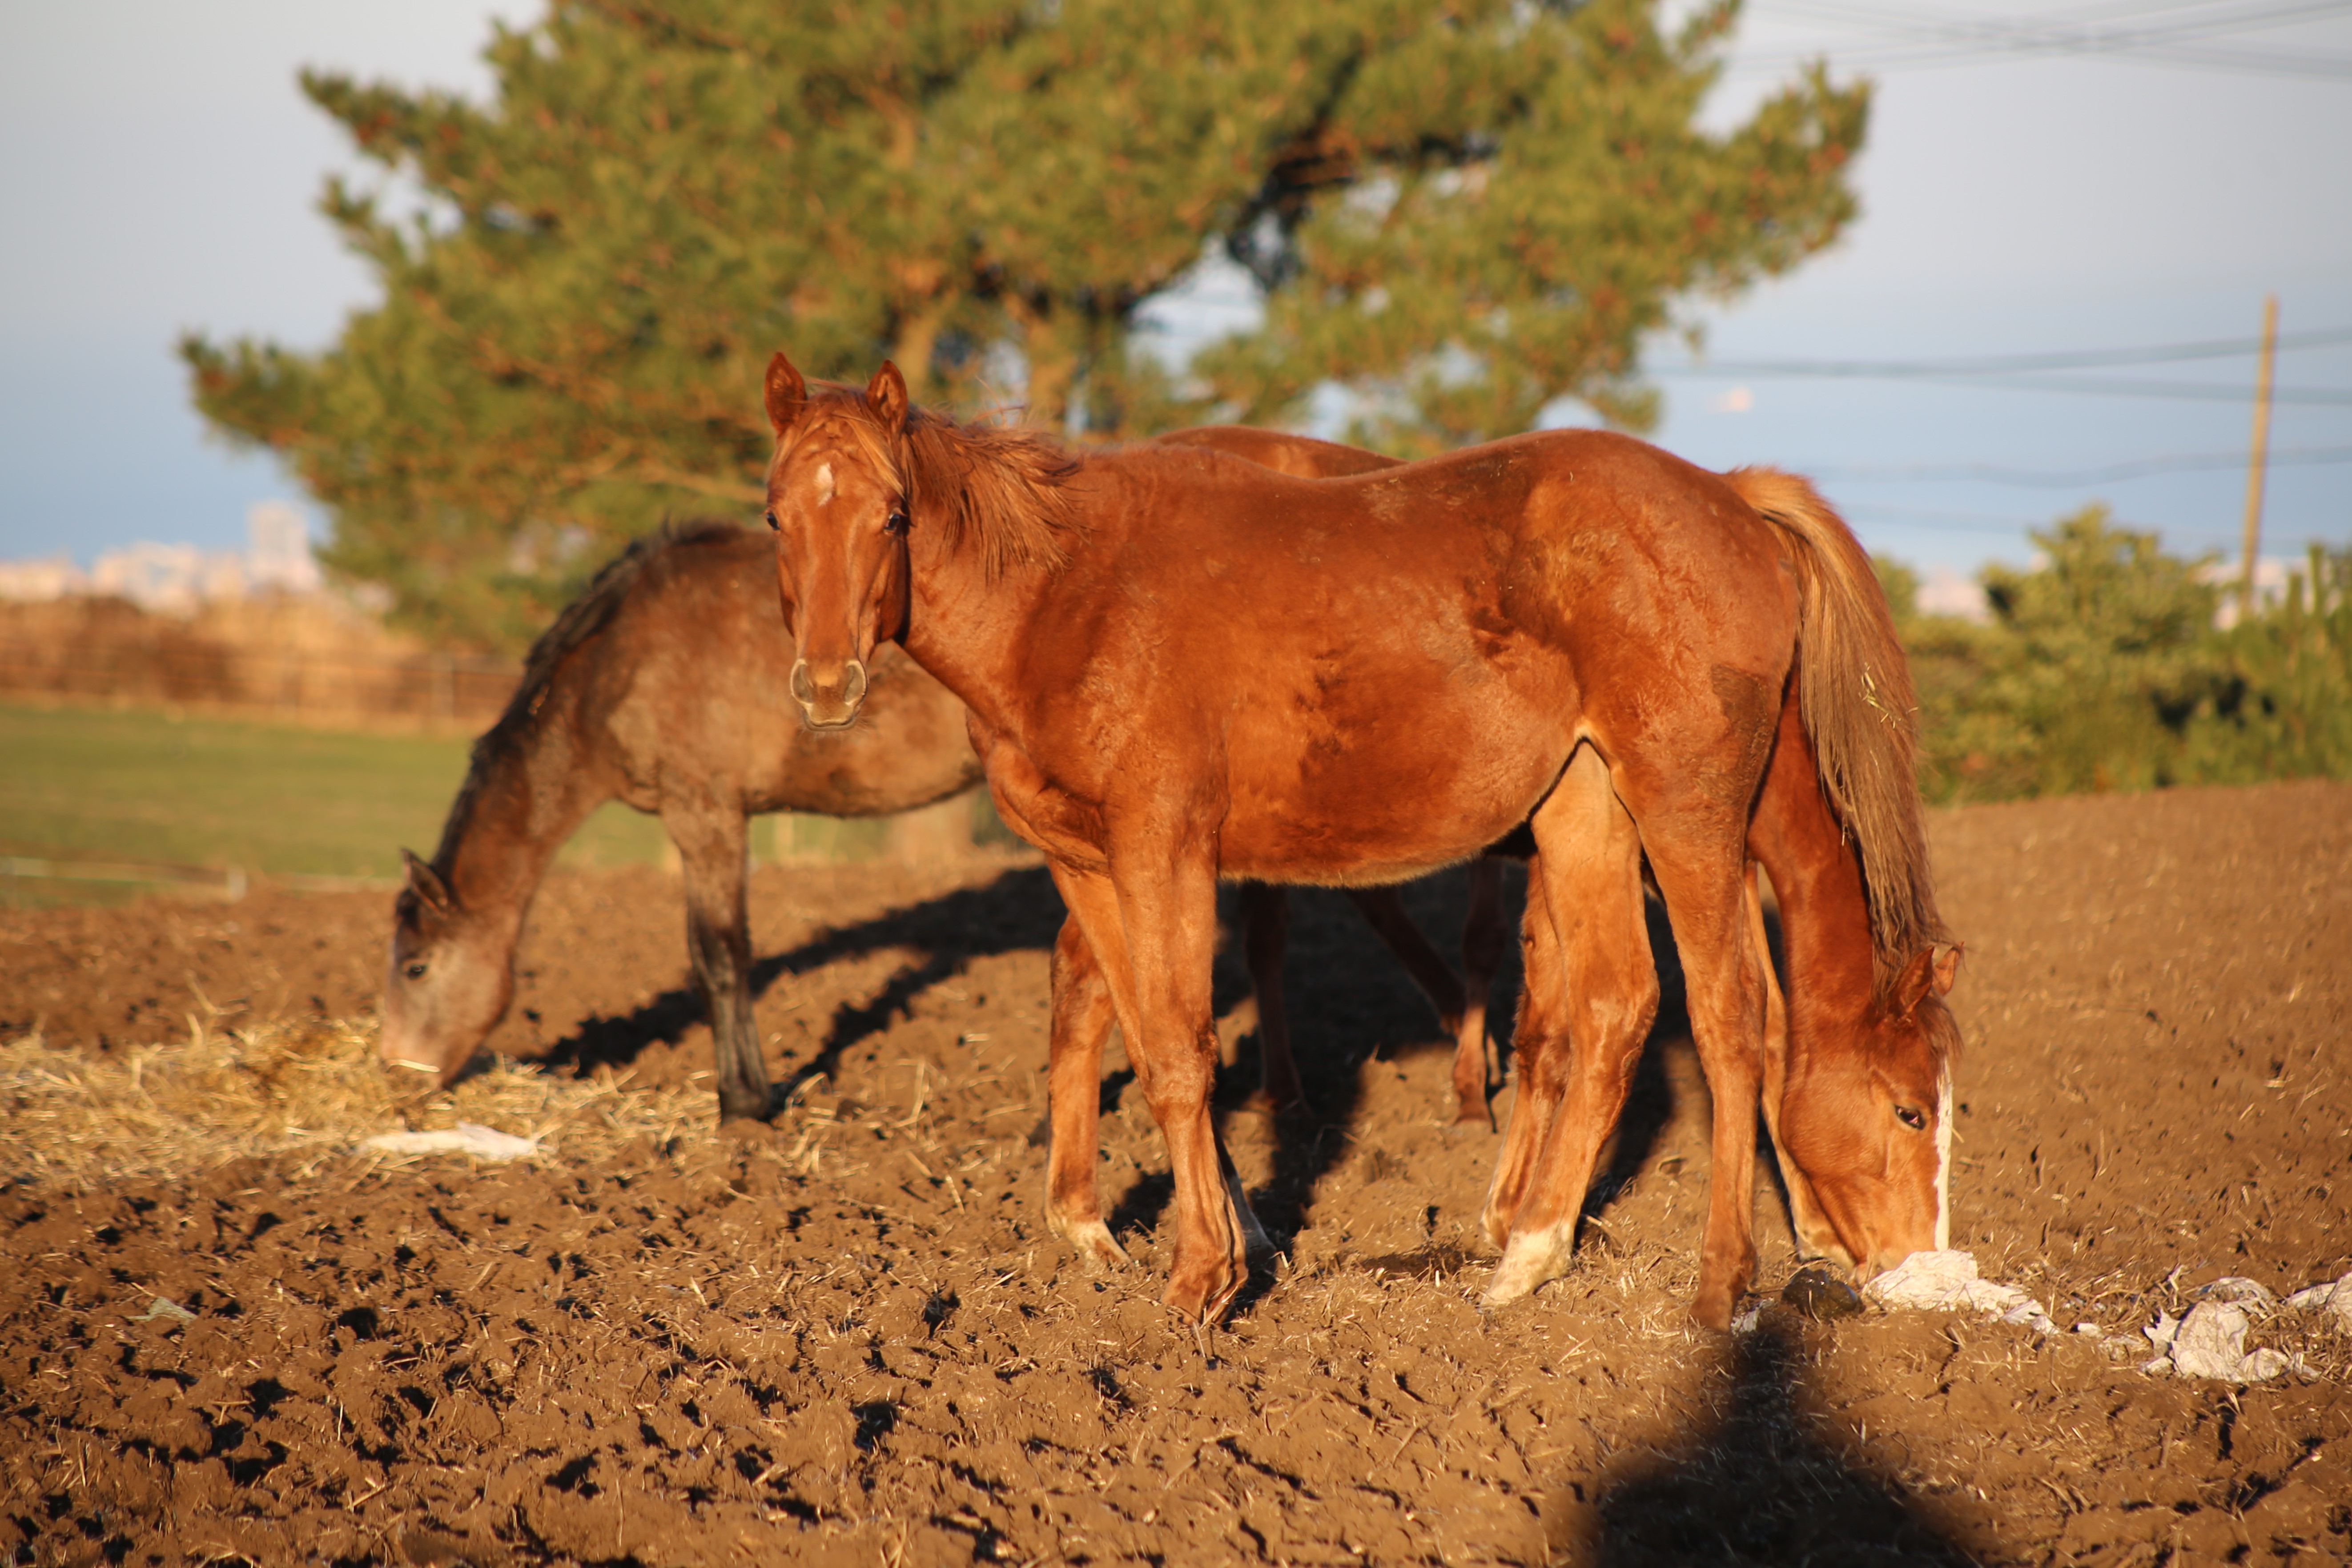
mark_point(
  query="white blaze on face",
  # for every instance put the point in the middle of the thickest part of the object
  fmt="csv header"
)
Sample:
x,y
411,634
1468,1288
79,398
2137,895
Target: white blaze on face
x,y
1944,1159
825,484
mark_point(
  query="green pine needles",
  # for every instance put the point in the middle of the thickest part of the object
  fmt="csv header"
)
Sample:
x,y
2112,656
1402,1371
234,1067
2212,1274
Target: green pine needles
x,y
1458,212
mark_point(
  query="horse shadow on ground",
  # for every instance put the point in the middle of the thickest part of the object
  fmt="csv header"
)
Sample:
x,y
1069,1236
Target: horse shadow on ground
x,y
1762,1484
1017,912
1348,999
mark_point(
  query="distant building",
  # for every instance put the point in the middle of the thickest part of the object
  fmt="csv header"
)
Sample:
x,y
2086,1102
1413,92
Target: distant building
x,y
56,577
179,577
278,550
2270,585
1945,593
156,576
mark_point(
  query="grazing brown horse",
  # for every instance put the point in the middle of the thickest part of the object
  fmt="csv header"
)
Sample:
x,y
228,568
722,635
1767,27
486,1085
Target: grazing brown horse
x,y
1180,665
1865,1193
661,686
658,686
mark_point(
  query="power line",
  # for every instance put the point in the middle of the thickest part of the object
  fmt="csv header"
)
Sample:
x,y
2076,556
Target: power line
x,y
2067,478
2022,373
2179,391
2069,359
1915,38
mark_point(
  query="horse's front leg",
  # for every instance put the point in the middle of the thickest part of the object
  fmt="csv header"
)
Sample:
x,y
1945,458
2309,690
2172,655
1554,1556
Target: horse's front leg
x,y
1815,1236
1081,1023
1266,937
711,842
1153,926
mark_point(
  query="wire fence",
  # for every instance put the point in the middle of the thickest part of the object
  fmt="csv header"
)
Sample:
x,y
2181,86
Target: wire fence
x,y
24,875
296,660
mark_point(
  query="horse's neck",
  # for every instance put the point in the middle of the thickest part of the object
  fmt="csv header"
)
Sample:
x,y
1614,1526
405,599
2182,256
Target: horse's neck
x,y
1817,879
516,810
968,628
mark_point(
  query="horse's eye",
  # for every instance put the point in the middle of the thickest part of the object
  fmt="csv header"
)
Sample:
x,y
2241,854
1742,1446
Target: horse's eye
x,y
771,517
1912,1117
896,521
414,971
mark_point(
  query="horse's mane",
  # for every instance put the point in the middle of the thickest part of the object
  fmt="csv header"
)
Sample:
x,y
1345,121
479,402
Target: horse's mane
x,y
998,487
1861,711
581,620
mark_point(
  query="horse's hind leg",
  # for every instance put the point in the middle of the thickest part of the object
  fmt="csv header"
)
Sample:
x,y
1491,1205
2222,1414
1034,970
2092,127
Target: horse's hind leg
x,y
712,841
1081,1023
1482,952
1592,996
1383,910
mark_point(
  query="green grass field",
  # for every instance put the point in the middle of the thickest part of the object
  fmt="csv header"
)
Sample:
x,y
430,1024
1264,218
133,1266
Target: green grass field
x,y
147,787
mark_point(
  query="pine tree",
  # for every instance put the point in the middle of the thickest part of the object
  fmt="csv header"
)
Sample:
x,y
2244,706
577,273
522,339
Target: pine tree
x,y
1493,209
1463,210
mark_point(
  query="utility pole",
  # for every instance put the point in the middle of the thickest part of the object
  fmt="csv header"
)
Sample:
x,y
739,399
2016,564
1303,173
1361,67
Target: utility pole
x,y
2260,459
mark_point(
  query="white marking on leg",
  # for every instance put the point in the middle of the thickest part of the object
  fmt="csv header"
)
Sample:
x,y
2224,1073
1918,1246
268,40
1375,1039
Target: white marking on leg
x,y
1944,1159
1532,1260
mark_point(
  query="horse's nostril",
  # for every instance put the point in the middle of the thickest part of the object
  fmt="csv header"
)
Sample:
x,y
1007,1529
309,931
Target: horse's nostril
x,y
853,684
802,689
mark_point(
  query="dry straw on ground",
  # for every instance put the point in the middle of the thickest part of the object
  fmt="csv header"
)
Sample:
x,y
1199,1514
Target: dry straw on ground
x,y
313,1089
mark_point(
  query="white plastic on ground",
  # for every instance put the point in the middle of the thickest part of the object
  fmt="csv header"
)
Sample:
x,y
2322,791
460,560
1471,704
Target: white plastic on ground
x,y
2336,1297
2210,1341
466,1138
1948,1281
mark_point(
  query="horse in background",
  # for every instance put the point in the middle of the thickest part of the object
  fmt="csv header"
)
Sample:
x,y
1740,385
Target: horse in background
x,y
658,687
1180,665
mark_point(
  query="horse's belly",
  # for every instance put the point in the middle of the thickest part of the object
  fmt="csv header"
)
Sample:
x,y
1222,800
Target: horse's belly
x,y
1389,804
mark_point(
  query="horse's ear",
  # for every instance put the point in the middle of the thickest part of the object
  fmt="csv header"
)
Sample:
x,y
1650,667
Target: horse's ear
x,y
1947,969
786,393
1922,971
886,395
427,885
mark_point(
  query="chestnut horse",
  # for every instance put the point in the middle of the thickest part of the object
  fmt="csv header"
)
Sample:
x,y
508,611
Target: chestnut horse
x,y
658,686
1180,665
1861,1191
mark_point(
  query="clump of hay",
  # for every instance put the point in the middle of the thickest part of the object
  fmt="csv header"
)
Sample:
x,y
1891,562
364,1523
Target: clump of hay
x,y
310,1088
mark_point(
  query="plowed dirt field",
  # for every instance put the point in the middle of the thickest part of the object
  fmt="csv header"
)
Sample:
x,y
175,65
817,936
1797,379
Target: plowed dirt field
x,y
851,1337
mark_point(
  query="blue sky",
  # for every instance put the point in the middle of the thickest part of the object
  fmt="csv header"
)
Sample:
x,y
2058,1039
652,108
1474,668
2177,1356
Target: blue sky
x,y
2080,176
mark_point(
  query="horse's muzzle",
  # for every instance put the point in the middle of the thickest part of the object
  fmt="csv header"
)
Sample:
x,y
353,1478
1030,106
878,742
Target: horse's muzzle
x,y
830,693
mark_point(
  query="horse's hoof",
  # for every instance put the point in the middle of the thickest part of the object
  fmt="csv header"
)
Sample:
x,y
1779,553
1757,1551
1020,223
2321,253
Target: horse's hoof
x,y
1474,1114
1098,1248
1203,1301
1531,1261
1712,1309
1277,1107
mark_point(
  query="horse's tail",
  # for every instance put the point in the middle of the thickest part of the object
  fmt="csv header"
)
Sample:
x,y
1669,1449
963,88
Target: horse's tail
x,y
1859,708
